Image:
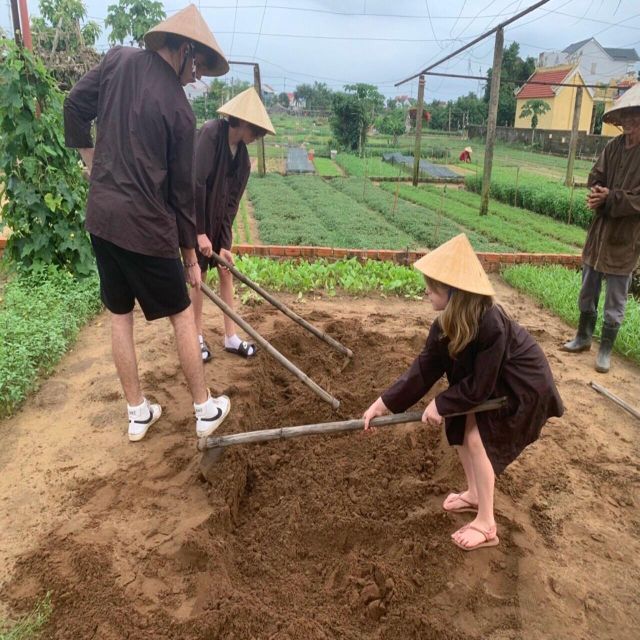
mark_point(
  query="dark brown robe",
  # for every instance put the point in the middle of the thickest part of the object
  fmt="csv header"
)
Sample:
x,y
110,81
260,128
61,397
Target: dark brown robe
x,y
504,360
142,181
613,239
221,179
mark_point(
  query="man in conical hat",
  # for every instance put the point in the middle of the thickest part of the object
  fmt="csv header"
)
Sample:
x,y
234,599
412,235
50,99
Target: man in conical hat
x,y
612,247
222,171
140,210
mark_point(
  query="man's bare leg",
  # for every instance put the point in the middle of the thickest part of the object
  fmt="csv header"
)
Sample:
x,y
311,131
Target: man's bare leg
x,y
124,356
189,353
196,302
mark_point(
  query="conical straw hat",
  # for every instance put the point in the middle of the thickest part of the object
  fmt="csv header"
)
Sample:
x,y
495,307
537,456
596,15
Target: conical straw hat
x,y
630,99
247,106
468,149
190,24
456,264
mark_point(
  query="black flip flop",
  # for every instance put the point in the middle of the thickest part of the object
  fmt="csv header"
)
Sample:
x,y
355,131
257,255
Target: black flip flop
x,y
246,349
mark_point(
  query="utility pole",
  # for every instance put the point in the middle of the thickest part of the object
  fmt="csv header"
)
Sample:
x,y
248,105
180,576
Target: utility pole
x,y
416,149
258,85
26,27
491,120
573,141
15,15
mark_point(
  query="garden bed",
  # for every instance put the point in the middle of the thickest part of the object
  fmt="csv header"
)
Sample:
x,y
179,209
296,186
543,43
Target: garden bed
x,y
335,537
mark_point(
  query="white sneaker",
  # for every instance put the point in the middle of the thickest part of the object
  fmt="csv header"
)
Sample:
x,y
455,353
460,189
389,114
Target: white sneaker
x,y
141,418
211,414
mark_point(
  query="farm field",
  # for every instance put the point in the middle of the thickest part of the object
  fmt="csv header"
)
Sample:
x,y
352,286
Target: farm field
x,y
294,539
356,213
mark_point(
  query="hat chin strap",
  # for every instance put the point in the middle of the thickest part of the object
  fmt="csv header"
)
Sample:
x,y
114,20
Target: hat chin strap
x,y
183,65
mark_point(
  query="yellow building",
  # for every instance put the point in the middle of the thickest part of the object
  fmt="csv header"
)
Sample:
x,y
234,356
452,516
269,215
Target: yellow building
x,y
610,95
560,99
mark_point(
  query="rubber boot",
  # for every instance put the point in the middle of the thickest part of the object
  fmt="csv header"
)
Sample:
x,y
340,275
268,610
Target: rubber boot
x,y
603,359
582,341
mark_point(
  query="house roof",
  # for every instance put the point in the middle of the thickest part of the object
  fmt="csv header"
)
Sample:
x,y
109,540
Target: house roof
x,y
572,48
554,75
627,55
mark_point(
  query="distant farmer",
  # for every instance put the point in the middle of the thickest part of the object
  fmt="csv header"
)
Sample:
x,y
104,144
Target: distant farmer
x,y
465,156
222,171
613,241
140,210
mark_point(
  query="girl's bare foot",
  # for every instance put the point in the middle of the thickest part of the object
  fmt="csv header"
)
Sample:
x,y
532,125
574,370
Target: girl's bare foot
x,y
464,502
475,535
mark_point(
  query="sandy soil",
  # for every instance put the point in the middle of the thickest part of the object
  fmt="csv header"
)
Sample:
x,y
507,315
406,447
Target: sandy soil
x,y
325,537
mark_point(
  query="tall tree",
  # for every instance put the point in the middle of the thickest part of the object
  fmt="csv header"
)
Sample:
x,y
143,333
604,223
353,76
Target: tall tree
x,y
532,109
353,112
514,69
131,19
392,123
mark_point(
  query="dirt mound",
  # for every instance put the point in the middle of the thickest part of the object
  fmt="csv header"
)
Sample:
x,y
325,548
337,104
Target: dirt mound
x,y
321,537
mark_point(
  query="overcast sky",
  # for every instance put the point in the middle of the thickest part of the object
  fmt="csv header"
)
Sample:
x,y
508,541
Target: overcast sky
x,y
384,41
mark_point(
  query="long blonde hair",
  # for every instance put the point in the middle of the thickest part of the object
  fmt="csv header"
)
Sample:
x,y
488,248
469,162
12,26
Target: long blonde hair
x,y
461,317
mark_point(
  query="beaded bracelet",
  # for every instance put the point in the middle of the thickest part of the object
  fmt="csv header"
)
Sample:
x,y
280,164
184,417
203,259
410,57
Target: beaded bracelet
x,y
188,265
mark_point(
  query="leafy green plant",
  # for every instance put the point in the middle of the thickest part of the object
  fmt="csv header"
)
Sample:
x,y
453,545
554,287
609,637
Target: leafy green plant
x,y
132,19
372,166
44,187
40,317
350,276
557,289
29,626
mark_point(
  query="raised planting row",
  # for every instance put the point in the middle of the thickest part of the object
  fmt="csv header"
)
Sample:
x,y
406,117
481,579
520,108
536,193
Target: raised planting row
x,y
352,224
427,227
543,195
496,229
532,222
557,289
305,210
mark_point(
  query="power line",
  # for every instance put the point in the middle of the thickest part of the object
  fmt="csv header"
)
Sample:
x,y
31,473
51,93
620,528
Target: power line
x,y
264,11
233,35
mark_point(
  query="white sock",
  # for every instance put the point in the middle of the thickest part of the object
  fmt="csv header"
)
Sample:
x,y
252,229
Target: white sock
x,y
232,342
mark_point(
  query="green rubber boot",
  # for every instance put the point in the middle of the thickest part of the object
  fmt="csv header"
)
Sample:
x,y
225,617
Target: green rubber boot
x,y
582,341
603,359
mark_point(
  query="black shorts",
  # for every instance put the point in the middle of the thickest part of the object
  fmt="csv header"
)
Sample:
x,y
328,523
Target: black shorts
x,y
158,284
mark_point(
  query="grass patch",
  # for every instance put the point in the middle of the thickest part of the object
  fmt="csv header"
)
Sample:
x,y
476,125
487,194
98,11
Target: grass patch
x,y
557,289
40,317
29,626
372,166
326,167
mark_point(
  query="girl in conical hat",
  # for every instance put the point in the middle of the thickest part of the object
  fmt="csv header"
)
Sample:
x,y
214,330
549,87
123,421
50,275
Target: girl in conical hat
x,y
484,355
222,172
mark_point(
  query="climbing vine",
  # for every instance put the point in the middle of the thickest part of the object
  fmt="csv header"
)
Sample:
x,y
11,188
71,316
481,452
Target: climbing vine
x,y
44,189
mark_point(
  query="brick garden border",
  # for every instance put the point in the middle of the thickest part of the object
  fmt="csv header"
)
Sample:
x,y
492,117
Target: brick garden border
x,y
492,262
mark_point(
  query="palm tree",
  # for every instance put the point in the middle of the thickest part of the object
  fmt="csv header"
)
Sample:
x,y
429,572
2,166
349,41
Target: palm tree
x,y
532,109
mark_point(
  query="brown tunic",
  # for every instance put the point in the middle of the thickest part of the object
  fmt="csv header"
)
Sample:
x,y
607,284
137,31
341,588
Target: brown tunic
x,y
141,195
613,239
220,182
504,360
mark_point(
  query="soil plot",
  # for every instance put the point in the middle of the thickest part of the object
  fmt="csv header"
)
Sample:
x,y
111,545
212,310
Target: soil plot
x,y
321,537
